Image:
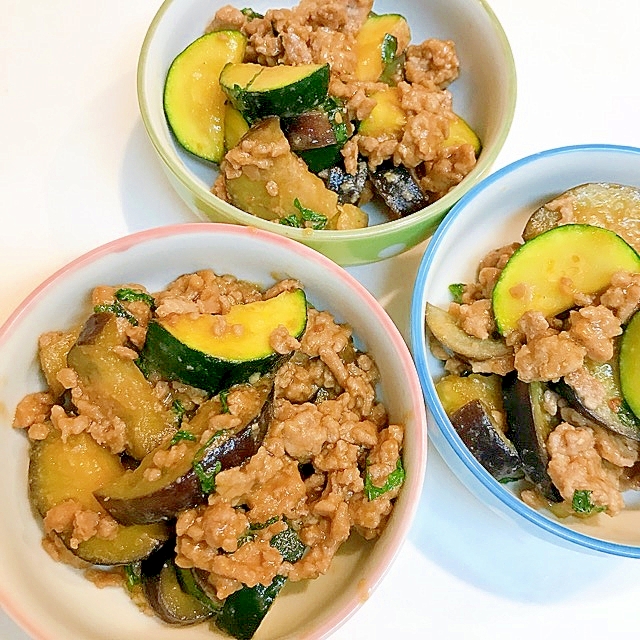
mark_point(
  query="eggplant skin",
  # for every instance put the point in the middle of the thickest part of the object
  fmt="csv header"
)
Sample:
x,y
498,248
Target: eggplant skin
x,y
129,505
528,431
486,442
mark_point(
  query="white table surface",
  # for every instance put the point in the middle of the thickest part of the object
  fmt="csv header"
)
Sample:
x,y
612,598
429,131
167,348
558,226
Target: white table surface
x,y
76,170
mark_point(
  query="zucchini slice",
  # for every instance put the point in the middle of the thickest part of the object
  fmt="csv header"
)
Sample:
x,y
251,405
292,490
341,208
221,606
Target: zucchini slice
x,y
629,364
461,133
283,90
194,103
235,126
387,118
244,610
380,43
545,273
192,350
72,469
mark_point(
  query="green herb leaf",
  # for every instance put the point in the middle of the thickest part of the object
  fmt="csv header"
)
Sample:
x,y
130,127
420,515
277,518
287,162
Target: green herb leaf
x,y
289,545
223,401
317,220
131,295
180,435
388,48
207,477
256,526
456,290
395,479
250,535
291,221
133,575
178,409
250,13
117,309
581,503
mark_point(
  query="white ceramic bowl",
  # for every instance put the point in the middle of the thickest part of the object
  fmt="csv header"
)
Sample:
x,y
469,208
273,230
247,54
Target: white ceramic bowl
x,y
489,216
53,601
484,95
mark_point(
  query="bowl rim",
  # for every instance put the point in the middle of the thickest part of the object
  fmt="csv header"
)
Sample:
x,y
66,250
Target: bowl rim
x,y
413,486
425,216
420,347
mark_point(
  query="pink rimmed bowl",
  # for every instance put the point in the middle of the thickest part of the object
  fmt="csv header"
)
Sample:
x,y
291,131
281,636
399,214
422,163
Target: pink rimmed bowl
x,y
52,601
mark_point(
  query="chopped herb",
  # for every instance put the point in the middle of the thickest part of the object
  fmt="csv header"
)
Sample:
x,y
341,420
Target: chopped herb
x,y
133,575
118,310
581,503
223,401
256,526
456,290
250,535
207,477
181,435
130,295
392,69
317,220
508,480
289,545
178,409
250,13
291,221
388,48
395,479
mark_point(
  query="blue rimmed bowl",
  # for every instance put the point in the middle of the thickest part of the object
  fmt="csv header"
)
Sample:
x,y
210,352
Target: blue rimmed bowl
x,y
489,216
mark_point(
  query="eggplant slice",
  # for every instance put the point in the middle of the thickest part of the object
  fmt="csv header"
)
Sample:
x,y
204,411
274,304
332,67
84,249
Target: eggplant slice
x,y
135,499
529,427
486,441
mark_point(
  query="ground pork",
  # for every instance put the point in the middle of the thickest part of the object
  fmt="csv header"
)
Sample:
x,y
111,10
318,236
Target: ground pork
x,y
315,32
549,358
595,328
576,465
623,295
328,437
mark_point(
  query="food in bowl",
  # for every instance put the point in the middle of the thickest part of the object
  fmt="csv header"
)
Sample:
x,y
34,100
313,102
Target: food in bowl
x,y
314,111
539,353
207,443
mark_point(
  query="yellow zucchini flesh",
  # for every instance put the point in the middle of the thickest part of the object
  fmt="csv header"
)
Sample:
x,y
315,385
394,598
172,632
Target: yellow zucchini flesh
x,y
387,117
546,273
461,133
257,320
194,102
370,43
192,349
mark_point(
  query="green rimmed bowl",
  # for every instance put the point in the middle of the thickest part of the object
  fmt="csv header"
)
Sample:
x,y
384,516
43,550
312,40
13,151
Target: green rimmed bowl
x,y
484,95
